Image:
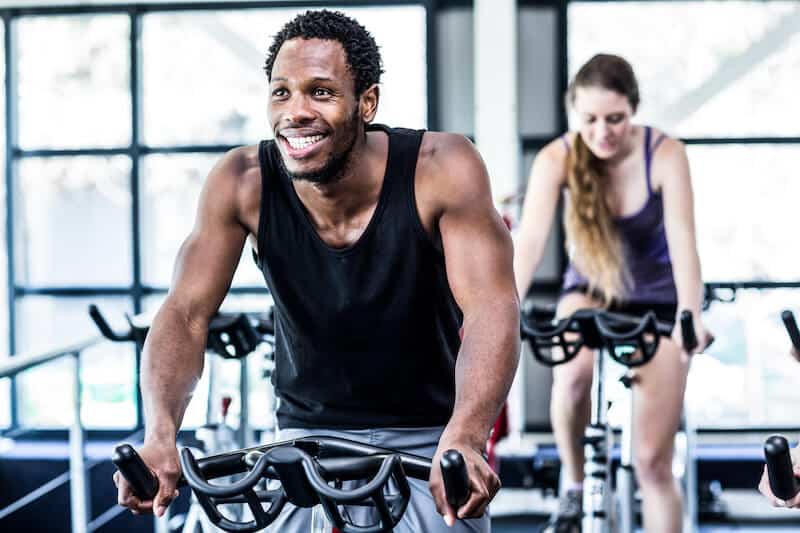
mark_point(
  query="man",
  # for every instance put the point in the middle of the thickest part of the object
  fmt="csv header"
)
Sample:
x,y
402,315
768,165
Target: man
x,y
377,244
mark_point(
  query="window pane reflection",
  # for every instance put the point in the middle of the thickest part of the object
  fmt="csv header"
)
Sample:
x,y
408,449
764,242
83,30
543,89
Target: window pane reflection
x,y
717,80
75,226
170,192
747,377
74,81
746,211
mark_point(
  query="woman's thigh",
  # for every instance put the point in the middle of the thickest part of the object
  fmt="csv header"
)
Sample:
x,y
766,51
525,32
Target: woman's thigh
x,y
658,402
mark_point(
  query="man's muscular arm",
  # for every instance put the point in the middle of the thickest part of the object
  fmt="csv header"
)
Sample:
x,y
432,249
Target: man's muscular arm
x,y
478,257
172,360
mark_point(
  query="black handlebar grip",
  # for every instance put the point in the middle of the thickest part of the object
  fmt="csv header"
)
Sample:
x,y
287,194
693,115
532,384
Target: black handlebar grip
x,y
103,326
791,328
779,468
456,480
687,331
143,483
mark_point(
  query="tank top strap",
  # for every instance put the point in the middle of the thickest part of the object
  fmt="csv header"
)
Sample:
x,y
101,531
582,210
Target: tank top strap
x,y
648,155
650,149
404,147
565,140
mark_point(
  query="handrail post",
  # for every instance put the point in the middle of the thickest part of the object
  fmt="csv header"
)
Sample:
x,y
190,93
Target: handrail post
x,y
78,487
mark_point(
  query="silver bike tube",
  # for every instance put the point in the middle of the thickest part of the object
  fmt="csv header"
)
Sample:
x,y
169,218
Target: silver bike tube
x,y
596,501
689,475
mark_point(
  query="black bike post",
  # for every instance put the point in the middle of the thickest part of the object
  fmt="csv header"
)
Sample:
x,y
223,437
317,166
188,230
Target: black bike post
x,y
626,483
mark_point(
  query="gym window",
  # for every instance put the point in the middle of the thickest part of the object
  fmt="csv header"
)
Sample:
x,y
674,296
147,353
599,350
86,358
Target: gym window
x,y
117,118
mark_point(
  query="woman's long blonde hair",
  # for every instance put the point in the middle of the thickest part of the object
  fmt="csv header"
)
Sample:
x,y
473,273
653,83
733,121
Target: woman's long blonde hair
x,y
593,242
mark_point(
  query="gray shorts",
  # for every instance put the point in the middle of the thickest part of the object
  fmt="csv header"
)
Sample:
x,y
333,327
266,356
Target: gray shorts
x,y
420,516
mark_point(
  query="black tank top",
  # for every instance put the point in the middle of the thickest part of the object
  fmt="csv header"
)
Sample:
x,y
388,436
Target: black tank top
x,y
367,335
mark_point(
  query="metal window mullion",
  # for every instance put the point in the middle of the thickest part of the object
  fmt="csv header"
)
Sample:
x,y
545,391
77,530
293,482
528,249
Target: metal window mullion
x,y
11,140
562,47
135,155
431,54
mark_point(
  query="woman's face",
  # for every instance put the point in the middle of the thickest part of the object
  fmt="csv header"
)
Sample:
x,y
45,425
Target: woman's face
x,y
604,117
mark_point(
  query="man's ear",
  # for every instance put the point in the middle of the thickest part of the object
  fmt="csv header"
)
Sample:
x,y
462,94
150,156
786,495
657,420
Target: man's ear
x,y
368,103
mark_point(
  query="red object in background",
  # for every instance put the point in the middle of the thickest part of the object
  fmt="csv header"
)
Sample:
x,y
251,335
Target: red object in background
x,y
499,431
226,403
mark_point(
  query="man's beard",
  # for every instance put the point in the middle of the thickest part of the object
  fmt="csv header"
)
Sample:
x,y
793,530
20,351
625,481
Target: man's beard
x,y
335,167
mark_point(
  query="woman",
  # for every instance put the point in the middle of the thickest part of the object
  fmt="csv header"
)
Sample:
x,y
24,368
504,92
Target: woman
x,y
631,240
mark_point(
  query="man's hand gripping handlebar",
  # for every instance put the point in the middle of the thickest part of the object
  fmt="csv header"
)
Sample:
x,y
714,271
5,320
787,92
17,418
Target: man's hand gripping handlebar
x,y
311,471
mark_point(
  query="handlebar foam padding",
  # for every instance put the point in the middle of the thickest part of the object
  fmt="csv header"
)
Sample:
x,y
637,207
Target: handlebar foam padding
x,y
779,468
791,328
687,331
456,480
142,481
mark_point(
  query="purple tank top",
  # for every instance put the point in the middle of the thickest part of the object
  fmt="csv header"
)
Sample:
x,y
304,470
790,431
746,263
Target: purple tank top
x,y
644,242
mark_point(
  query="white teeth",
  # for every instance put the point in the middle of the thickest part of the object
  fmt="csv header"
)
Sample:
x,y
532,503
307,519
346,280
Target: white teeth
x,y
302,142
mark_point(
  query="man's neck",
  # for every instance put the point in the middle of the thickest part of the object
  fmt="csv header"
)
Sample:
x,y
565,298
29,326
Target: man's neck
x,y
332,204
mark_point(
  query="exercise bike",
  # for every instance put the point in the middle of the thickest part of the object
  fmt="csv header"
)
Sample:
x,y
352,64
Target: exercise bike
x,y
632,342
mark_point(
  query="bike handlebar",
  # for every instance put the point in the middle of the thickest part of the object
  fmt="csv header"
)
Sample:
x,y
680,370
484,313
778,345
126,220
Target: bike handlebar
x,y
230,335
305,468
791,328
782,481
631,340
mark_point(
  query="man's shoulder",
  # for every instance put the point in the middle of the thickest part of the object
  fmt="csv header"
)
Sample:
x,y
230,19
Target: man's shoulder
x,y
240,161
450,167
238,168
440,146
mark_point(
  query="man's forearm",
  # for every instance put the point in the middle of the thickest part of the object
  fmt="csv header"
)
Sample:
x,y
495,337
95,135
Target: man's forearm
x,y
172,363
485,369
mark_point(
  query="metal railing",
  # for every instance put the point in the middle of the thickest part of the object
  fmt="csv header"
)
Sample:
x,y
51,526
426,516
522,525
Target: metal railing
x,y
78,468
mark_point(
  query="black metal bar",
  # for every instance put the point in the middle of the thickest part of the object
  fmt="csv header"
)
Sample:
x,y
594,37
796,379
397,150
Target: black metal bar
x,y
10,125
69,152
735,285
73,292
759,430
562,46
199,6
741,140
535,142
132,151
188,149
135,150
431,55
454,4
136,122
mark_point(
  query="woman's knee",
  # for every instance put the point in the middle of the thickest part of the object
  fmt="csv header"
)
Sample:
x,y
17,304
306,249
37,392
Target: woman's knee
x,y
653,467
571,386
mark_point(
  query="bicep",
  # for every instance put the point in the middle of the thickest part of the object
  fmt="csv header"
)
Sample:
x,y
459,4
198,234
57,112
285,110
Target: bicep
x,y
477,245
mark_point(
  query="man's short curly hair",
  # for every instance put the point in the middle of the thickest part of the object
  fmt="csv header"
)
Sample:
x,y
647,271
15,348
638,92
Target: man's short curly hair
x,y
363,57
